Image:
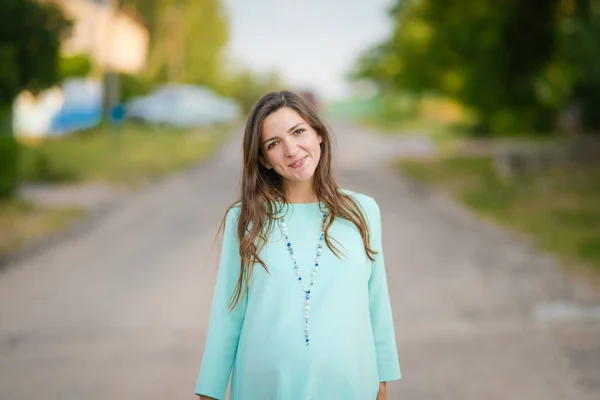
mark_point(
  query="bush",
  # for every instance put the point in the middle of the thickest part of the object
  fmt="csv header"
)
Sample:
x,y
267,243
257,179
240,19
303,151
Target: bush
x,y
9,165
75,66
132,86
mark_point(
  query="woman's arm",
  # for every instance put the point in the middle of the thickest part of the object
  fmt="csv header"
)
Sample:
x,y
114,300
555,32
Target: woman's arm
x,y
225,326
382,322
382,394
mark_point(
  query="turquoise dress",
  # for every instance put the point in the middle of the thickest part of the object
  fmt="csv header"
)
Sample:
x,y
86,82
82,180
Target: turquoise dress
x,y
352,344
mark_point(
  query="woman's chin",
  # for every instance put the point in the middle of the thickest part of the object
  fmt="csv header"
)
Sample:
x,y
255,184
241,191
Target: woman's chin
x,y
300,176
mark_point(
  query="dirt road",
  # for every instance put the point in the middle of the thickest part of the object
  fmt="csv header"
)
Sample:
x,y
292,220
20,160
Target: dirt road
x,y
120,311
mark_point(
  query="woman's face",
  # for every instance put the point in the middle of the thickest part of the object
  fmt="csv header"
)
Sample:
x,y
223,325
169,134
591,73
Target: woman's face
x,y
290,146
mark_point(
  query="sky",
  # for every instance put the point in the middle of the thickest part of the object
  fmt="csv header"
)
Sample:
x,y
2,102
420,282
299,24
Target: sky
x,y
311,43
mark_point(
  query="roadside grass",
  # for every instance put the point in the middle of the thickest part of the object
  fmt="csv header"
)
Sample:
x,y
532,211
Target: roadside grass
x,y
24,222
558,208
132,155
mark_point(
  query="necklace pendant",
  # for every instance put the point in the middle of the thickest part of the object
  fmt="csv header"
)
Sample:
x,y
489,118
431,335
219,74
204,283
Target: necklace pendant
x,y
293,254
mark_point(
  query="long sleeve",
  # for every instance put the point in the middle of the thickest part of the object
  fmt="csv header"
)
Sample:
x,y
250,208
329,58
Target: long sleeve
x,y
382,322
224,325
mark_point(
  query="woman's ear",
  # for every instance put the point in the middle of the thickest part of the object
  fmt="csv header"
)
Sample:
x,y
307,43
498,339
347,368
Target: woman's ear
x,y
320,138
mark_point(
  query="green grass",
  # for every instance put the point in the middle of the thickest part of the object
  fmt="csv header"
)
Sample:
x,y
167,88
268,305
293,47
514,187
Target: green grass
x,y
130,156
24,222
133,155
559,208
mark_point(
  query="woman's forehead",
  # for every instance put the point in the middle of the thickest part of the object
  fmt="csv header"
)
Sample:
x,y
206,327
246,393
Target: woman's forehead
x,y
281,121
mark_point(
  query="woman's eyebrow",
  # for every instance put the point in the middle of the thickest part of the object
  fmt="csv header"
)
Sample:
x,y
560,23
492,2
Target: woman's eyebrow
x,y
269,139
277,137
295,126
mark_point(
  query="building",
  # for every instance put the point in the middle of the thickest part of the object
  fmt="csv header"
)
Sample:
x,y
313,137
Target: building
x,y
114,40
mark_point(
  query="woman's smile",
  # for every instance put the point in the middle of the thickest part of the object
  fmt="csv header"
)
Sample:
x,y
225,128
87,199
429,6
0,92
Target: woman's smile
x,y
298,163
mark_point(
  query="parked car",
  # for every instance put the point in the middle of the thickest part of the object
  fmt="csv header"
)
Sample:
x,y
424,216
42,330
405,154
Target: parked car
x,y
183,106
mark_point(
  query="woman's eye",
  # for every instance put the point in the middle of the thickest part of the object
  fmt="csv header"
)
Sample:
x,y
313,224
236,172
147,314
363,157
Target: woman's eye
x,y
299,131
271,145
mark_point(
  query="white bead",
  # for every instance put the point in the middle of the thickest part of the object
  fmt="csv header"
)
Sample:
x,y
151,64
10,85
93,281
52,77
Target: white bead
x,y
298,273
307,308
307,301
317,260
314,273
293,257
316,269
283,224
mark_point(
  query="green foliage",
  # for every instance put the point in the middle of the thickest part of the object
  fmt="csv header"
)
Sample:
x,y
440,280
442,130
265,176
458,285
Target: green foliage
x,y
30,36
133,86
134,155
580,48
186,39
186,42
79,65
247,87
44,169
9,166
516,64
557,207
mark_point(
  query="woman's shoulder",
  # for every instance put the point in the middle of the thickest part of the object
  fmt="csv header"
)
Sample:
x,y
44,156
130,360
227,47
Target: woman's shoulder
x,y
233,211
367,202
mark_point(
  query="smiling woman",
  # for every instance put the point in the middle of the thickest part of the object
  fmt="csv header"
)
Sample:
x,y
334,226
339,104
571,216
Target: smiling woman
x,y
291,147
313,320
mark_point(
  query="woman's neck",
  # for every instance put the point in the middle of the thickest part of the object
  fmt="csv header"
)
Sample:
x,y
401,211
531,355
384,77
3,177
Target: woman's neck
x,y
301,193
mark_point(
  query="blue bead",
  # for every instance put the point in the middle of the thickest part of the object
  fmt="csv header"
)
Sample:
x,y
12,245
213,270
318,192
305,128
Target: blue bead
x,y
292,252
306,340
299,278
308,291
307,296
324,215
316,264
289,244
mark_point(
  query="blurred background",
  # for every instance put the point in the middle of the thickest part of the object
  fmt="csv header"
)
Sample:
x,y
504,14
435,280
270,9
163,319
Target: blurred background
x,y
113,111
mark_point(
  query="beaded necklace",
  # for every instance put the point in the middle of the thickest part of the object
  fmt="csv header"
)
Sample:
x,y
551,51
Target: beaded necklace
x,y
306,291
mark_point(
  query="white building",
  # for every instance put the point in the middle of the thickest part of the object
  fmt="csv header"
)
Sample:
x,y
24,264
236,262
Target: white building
x,y
114,41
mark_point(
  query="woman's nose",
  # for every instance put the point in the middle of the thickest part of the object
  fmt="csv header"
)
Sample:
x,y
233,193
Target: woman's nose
x,y
291,148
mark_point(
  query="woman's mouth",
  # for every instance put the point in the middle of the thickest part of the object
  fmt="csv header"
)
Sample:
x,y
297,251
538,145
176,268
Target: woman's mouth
x,y
298,163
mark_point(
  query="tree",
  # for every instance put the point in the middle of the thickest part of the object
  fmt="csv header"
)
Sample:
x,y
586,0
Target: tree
x,y
577,62
30,36
489,56
186,38
186,42
247,86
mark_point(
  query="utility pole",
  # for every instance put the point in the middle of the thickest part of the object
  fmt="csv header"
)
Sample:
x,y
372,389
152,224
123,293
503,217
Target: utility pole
x,y
110,77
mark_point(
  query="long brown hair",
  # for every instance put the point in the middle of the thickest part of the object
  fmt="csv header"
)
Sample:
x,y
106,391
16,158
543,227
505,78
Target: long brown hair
x,y
261,187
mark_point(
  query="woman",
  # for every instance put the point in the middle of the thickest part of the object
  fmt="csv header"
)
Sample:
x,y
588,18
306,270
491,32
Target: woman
x,y
301,307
